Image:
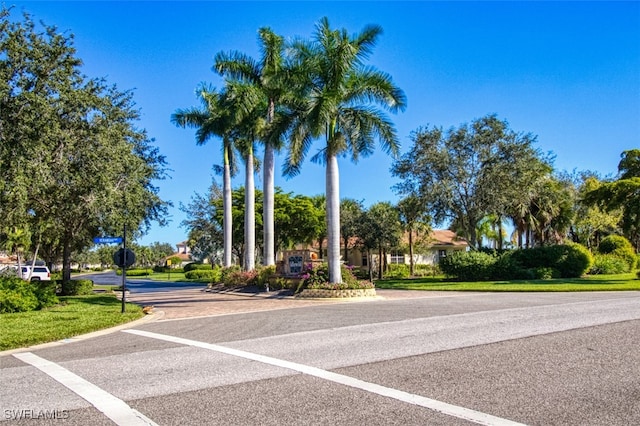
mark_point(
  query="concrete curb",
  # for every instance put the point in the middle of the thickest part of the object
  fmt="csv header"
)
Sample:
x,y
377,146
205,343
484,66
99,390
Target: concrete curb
x,y
144,320
270,295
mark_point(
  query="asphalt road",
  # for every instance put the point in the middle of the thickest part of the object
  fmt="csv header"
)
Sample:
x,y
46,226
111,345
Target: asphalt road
x,y
137,285
447,359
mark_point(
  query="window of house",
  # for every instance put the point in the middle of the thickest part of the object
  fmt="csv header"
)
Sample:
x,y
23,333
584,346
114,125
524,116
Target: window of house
x,y
397,257
364,260
442,253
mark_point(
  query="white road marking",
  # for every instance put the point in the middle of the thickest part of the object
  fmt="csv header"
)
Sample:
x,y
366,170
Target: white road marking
x,y
432,404
114,408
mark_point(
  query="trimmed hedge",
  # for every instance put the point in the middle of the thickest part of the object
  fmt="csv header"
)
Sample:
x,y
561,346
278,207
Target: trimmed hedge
x,y
620,247
468,266
213,275
197,266
136,272
559,261
77,288
166,269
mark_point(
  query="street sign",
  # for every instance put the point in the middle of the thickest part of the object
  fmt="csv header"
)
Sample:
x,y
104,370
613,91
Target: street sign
x,y
119,258
107,240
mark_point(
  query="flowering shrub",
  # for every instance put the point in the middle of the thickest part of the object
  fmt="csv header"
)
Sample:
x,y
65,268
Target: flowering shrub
x,y
318,278
241,278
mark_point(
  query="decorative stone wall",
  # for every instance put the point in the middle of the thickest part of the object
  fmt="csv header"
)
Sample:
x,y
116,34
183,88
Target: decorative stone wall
x,y
324,294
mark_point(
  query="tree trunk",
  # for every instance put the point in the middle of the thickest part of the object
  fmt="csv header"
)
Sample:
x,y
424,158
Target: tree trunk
x,y
320,254
369,260
227,218
380,263
268,252
346,250
333,219
411,266
66,265
249,215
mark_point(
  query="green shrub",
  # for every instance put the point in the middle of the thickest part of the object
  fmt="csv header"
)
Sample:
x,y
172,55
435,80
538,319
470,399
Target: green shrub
x,y
265,274
397,270
17,295
620,247
570,260
545,273
226,272
507,267
317,277
241,278
213,275
45,292
193,266
426,270
77,287
608,264
613,242
361,273
468,266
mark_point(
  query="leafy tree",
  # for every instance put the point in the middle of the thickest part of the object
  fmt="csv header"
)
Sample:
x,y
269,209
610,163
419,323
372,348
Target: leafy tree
x,y
380,229
205,232
320,204
623,194
159,251
73,164
341,104
590,222
350,214
413,219
467,173
297,220
552,211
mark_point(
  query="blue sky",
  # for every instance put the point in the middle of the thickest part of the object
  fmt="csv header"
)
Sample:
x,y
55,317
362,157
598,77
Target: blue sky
x,y
568,72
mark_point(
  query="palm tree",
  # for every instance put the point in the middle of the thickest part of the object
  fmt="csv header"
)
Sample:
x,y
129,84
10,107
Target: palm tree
x,y
214,118
245,101
269,75
342,95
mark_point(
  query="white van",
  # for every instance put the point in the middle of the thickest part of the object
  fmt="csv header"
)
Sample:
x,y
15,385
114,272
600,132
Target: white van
x,y
39,273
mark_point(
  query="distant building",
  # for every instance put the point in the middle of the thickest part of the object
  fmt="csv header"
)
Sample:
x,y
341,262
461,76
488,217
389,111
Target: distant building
x,y
438,244
184,253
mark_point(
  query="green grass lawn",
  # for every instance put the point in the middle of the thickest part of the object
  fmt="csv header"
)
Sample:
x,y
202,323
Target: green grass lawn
x,y
591,283
74,315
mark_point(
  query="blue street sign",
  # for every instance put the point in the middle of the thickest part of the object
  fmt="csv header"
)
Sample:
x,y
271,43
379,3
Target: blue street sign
x,y
107,240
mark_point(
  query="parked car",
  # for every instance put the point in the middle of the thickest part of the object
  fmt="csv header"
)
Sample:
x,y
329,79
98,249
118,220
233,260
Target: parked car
x,y
39,273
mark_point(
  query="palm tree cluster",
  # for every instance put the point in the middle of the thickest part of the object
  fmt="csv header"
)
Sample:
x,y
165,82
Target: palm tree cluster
x,y
295,94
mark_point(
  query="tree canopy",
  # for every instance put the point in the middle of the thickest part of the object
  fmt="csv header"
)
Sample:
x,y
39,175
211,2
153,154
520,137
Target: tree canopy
x,y
466,173
624,194
73,164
